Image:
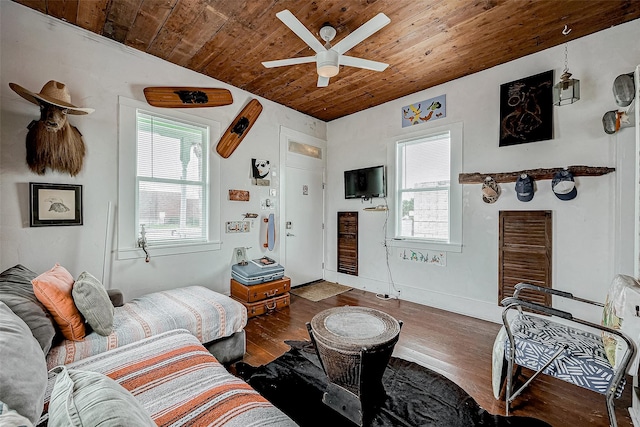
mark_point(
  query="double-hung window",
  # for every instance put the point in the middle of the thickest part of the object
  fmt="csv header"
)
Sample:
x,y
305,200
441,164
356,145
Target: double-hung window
x,y
427,195
168,181
171,179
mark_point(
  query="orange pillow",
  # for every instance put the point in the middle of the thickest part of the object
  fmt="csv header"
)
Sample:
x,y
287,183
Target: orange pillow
x,y
53,290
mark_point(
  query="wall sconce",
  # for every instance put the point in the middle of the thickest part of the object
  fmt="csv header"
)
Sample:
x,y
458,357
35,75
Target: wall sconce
x,y
567,91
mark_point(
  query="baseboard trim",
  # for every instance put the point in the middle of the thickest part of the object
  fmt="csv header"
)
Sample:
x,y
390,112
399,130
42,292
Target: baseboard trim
x,y
484,310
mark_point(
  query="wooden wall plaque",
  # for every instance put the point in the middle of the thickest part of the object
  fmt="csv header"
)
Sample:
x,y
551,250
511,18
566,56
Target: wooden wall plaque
x,y
239,195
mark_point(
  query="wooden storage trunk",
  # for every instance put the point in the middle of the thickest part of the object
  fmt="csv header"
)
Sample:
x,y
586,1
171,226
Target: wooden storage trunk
x,y
267,305
253,293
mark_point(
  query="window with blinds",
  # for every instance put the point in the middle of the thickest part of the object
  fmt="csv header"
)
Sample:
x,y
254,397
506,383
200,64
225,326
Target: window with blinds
x,y
171,179
423,168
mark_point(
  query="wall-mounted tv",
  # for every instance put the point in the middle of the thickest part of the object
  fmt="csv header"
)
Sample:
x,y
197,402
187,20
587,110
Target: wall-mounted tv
x,y
365,183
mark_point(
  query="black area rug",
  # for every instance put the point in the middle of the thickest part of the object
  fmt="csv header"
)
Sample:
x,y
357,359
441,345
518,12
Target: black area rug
x,y
416,396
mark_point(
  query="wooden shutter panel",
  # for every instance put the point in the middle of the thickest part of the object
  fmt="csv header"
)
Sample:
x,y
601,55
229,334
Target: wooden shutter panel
x,y
348,243
524,253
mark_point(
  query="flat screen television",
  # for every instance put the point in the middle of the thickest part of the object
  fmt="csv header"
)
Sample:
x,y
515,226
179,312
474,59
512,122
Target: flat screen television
x,y
365,183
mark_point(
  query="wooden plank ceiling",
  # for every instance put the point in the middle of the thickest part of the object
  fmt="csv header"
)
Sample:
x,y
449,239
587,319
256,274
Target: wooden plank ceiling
x,y
428,42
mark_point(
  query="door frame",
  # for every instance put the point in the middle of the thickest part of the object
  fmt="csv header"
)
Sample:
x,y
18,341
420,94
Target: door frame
x,y
288,159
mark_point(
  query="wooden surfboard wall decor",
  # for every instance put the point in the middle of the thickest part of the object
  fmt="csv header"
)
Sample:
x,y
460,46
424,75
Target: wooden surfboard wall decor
x,y
239,128
187,97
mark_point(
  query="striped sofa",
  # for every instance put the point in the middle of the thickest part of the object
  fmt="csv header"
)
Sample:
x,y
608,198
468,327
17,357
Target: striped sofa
x,y
157,365
179,383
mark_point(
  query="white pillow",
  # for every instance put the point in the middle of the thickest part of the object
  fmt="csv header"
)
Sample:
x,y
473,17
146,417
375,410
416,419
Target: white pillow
x,y
84,398
10,418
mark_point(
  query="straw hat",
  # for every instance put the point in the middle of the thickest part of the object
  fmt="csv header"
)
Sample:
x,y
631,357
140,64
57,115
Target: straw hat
x,y
54,93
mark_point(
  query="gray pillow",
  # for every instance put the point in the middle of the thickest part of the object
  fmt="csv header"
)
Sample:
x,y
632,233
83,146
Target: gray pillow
x,y
23,376
85,398
10,418
16,291
94,303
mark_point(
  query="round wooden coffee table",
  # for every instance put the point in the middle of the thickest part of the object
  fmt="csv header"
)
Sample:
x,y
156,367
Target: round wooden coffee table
x,y
354,345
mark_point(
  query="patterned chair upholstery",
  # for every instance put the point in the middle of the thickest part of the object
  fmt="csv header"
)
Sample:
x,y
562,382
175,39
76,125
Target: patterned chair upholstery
x,y
566,350
583,362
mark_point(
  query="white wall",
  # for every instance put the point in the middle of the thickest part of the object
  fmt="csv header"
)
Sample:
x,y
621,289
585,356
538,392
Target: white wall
x,y
592,234
35,49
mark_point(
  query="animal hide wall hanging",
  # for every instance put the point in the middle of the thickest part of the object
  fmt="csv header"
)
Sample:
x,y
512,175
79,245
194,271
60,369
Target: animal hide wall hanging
x,y
52,141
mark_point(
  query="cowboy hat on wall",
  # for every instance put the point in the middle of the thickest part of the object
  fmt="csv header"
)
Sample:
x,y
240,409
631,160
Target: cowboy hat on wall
x,y
52,142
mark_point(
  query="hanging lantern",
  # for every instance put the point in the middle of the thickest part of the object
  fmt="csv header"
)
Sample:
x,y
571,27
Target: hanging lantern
x,y
567,91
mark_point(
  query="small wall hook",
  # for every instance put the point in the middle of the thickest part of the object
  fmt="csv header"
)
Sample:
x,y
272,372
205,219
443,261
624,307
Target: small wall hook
x,y
566,30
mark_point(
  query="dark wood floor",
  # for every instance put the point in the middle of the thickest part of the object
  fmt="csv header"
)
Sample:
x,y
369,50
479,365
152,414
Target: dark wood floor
x,y
456,346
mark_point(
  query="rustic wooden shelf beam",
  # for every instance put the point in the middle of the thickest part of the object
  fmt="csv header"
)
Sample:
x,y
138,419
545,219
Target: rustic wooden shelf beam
x,y
536,174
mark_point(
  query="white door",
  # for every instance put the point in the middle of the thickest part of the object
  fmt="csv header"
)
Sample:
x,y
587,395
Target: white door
x,y
304,245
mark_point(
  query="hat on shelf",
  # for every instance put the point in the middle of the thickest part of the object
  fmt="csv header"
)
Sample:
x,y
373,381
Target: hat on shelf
x,y
563,185
54,93
524,188
490,190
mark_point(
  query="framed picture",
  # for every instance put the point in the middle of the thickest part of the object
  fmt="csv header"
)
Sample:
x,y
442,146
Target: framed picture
x,y
260,172
55,204
424,111
526,110
240,256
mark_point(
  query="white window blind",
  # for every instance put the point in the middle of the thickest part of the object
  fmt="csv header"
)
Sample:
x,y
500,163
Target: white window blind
x,y
171,179
423,187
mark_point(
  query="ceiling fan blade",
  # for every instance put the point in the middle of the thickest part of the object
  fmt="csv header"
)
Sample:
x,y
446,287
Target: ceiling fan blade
x,y
323,81
290,61
365,30
367,64
300,30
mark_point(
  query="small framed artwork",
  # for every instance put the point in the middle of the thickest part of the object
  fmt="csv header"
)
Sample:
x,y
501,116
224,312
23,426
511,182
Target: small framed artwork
x,y
424,111
55,204
240,256
260,172
526,110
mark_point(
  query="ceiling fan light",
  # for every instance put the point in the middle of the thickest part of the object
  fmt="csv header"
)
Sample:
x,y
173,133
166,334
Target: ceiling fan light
x,y
327,63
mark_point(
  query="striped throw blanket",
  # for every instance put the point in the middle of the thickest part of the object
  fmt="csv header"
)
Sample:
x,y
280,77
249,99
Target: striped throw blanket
x,y
208,315
180,384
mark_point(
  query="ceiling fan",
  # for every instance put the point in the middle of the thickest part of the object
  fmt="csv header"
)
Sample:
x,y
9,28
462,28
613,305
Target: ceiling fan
x,y
328,58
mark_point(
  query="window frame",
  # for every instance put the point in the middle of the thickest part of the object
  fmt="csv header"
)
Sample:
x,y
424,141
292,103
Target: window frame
x,y
127,232
454,243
